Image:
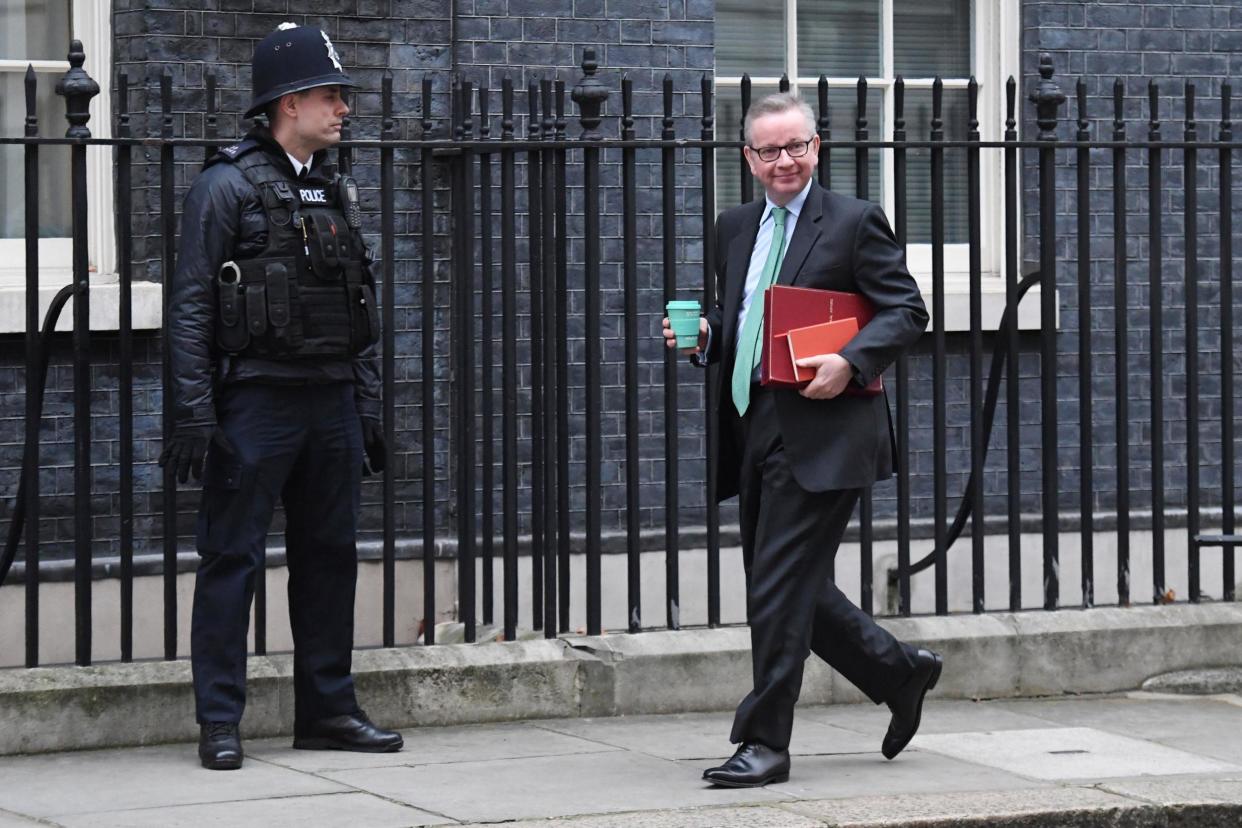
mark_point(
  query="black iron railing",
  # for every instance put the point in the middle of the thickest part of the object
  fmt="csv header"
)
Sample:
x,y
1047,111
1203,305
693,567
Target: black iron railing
x,y
536,346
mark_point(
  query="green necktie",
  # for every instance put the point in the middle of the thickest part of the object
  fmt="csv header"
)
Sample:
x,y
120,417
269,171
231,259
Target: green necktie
x,y
752,327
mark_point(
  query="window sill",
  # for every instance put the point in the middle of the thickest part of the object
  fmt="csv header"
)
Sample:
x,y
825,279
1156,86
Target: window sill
x,y
992,302
146,305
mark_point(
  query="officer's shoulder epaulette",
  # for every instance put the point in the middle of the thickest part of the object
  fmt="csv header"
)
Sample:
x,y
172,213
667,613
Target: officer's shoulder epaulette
x,y
231,153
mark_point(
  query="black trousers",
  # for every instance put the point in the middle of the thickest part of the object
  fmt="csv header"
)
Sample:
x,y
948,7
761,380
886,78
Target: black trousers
x,y
789,538
301,445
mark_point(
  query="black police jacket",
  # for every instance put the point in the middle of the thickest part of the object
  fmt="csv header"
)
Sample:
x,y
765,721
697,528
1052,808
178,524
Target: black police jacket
x,y
223,219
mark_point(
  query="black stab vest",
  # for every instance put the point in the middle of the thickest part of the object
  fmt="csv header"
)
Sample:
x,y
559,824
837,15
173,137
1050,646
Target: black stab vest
x,y
309,293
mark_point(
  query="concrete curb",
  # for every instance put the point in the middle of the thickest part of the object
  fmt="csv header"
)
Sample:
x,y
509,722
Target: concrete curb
x,y
844,813
986,656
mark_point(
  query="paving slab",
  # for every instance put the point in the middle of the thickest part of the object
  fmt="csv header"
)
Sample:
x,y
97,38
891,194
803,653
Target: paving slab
x,y
822,777
1068,753
434,745
1206,726
943,716
997,806
51,785
757,816
289,812
10,820
592,783
702,736
1152,717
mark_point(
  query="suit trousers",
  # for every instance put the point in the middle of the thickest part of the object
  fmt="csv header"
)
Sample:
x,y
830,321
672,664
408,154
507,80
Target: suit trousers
x,y
789,538
301,445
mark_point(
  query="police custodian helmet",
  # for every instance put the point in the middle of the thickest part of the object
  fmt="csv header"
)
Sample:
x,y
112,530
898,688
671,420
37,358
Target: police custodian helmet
x,y
291,59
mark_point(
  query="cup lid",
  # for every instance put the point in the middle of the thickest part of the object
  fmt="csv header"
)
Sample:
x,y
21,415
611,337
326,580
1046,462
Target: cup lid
x,y
683,304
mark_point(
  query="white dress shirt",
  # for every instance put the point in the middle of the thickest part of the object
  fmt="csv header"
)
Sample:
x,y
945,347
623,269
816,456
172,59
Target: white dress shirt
x,y
298,166
763,246
759,253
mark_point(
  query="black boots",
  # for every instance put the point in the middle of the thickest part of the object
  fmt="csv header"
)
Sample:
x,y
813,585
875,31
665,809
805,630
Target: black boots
x,y
219,746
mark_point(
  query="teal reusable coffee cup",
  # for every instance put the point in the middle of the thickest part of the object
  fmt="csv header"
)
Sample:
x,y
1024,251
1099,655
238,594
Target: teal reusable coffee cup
x,y
683,318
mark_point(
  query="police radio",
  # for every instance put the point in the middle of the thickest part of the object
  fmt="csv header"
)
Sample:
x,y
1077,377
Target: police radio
x,y
347,189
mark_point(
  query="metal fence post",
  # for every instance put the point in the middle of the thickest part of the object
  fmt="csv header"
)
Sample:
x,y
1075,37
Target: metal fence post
x,y
1226,339
633,491
712,375
389,291
1048,98
1086,488
125,382
1013,426
32,371
1190,182
940,506
977,447
427,312
168,226
77,88
672,520
1121,344
901,231
590,95
1155,305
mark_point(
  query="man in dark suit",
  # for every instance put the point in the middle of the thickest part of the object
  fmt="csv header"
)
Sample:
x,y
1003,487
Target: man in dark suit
x,y
798,460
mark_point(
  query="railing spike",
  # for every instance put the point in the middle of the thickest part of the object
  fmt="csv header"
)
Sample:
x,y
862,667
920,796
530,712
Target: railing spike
x,y
590,95
77,88
1047,97
31,82
1011,104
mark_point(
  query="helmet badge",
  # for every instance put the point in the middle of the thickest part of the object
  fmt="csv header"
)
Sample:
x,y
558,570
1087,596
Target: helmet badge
x,y
332,55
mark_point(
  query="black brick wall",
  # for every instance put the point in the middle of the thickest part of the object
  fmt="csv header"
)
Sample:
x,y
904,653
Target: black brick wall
x,y
1172,43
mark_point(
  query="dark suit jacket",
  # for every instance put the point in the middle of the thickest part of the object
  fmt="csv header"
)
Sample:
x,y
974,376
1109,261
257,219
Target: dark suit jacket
x,y
839,243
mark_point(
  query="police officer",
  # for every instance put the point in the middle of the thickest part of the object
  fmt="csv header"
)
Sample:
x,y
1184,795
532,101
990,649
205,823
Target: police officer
x,y
272,327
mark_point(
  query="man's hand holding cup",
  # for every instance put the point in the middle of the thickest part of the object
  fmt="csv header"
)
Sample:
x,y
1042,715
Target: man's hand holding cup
x,y
684,328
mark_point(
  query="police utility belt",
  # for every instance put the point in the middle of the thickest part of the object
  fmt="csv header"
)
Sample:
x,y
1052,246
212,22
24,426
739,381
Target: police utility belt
x,y
309,292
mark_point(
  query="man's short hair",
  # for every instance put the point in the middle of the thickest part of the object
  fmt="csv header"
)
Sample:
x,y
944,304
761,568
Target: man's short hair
x,y
776,104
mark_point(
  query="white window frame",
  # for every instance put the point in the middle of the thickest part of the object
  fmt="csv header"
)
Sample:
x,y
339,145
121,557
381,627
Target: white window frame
x,y
91,24
996,47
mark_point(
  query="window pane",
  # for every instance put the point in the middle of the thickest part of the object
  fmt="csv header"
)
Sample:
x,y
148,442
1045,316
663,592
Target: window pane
x,y
843,120
750,38
34,29
54,215
838,38
931,38
955,114
730,166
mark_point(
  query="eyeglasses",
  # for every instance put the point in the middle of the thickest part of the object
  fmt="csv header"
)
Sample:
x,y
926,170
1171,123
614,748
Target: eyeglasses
x,y
796,149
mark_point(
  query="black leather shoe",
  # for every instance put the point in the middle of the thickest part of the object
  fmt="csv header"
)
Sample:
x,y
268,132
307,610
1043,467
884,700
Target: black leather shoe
x,y
907,703
353,731
752,766
219,746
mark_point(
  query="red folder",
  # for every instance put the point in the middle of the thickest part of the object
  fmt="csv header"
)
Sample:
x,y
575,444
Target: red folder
x,y
813,340
786,307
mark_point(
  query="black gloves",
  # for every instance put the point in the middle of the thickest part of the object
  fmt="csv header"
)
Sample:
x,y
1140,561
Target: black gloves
x,y
188,446
373,443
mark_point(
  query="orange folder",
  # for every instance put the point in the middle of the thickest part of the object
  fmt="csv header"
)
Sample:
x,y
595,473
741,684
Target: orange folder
x,y
814,340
